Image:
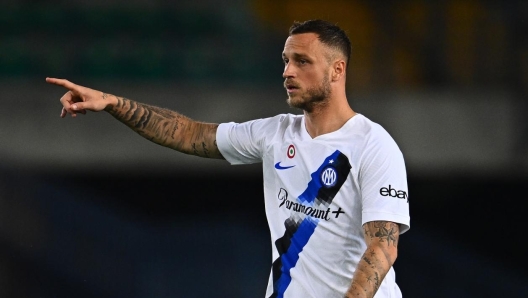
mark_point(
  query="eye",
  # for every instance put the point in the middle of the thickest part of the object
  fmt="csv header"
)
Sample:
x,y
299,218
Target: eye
x,y
302,62
285,60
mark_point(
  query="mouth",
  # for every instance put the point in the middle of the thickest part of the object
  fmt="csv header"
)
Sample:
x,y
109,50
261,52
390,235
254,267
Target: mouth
x,y
290,88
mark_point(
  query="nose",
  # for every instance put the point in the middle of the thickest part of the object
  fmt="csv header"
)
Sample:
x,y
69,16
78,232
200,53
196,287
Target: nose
x,y
288,71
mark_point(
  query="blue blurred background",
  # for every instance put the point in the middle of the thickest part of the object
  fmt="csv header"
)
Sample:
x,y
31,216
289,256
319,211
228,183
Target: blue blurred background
x,y
90,209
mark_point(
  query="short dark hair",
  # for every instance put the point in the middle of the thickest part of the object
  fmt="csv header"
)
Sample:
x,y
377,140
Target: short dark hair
x,y
329,34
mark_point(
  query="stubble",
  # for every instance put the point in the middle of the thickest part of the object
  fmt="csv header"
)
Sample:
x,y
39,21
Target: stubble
x,y
315,96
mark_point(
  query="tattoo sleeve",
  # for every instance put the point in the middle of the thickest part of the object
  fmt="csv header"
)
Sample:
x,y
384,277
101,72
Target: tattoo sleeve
x,y
167,128
382,248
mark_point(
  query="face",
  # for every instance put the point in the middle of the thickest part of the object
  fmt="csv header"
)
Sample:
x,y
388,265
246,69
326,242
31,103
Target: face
x,y
306,71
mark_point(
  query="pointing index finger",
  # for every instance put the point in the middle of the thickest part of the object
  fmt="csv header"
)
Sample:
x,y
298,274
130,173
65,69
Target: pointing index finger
x,y
61,82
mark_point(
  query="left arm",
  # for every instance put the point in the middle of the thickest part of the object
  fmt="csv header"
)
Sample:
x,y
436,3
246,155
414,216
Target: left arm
x,y
382,249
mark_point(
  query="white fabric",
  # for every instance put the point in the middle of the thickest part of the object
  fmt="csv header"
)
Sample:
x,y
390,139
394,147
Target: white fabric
x,y
374,188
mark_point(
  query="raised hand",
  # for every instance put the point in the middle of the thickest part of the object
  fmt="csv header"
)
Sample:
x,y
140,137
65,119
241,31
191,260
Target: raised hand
x,y
80,99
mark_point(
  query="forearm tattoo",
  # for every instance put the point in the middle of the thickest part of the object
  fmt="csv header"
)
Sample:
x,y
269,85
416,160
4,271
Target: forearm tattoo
x,y
382,239
167,128
384,231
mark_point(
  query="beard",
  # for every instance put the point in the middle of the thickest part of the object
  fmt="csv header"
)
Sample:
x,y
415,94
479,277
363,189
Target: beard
x,y
313,96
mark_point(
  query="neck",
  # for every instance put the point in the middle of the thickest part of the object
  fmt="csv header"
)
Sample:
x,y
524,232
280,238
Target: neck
x,y
328,117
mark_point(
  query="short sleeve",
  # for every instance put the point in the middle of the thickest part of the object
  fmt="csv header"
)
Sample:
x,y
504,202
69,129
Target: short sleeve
x,y
245,143
383,181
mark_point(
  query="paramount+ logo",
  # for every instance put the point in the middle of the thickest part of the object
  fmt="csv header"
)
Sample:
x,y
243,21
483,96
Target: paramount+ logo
x,y
391,192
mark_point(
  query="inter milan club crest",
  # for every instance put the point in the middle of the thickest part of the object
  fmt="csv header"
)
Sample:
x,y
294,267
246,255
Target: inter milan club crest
x,y
291,151
328,176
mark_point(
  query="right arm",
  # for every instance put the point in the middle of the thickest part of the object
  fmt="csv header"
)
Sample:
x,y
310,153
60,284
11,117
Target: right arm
x,y
167,128
161,126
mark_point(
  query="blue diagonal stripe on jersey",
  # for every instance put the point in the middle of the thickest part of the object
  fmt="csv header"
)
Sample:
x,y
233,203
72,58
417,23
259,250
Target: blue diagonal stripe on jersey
x,y
315,185
289,259
296,235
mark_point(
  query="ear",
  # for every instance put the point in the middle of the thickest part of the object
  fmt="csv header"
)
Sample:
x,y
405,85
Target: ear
x,y
338,70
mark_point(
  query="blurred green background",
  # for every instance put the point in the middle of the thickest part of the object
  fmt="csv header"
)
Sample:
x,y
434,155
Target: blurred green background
x,y
90,209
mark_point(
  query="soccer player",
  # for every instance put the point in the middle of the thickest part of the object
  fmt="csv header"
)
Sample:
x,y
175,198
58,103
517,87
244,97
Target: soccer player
x,y
335,182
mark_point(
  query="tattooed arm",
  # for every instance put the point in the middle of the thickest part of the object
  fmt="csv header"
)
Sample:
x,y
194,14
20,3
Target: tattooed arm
x,y
382,250
165,127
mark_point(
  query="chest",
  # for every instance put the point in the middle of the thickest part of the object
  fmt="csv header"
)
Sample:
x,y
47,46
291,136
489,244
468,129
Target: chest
x,y
312,173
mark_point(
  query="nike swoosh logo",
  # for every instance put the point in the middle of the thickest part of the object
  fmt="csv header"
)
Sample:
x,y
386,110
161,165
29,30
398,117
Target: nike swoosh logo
x,y
279,167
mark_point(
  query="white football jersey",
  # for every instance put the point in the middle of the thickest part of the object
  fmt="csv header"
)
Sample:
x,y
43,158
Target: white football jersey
x,y
318,194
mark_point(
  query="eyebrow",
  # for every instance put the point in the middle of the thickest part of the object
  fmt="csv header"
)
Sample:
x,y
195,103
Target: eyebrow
x,y
297,56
